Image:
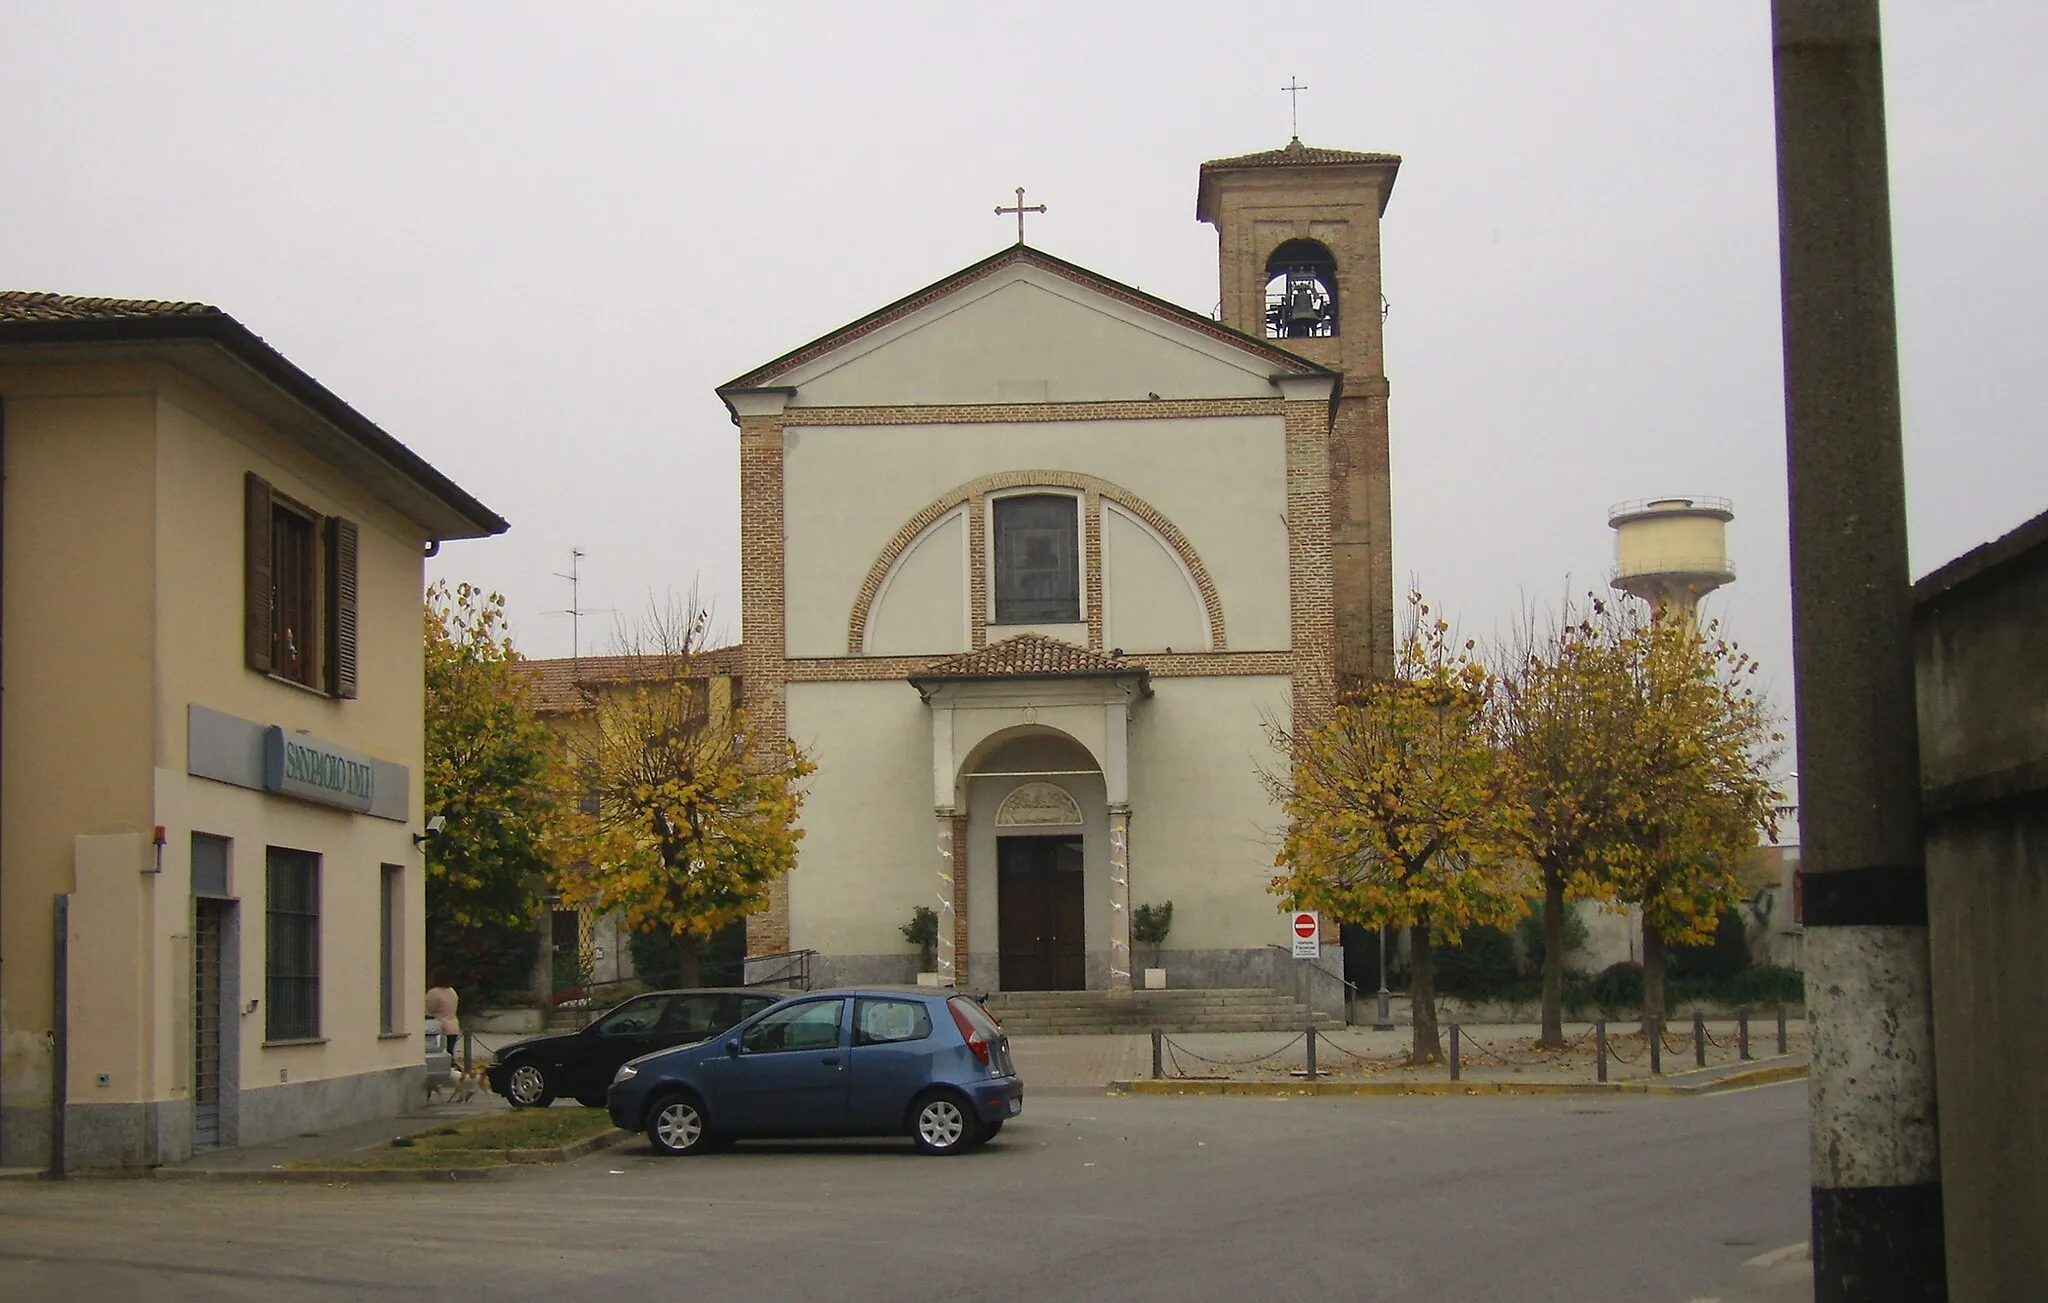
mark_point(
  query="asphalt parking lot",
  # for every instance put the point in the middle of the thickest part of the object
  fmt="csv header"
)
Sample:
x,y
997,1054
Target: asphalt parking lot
x,y
1086,1196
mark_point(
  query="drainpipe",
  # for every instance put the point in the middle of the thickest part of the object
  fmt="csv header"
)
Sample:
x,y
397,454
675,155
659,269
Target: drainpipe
x,y
1875,1162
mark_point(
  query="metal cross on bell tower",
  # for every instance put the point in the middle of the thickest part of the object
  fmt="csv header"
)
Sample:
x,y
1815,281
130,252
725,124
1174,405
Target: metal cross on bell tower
x,y
1294,105
1020,210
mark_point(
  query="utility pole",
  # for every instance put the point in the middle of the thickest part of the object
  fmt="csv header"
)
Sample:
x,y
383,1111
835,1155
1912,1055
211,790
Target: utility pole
x,y
1876,1165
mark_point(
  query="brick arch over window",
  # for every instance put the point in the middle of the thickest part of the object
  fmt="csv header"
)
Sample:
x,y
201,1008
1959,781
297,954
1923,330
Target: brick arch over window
x,y
974,496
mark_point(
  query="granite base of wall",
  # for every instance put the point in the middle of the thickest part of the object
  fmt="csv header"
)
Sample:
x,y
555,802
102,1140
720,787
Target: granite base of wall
x,y
25,1135
288,1109
862,970
101,1136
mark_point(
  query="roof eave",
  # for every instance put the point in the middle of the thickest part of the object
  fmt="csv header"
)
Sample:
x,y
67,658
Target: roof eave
x,y
273,368
759,379
1137,672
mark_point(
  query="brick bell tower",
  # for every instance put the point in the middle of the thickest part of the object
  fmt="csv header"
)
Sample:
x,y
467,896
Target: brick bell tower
x,y
1299,263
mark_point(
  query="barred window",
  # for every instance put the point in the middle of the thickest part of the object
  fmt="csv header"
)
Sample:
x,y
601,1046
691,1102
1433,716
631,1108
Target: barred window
x,y
1038,559
291,910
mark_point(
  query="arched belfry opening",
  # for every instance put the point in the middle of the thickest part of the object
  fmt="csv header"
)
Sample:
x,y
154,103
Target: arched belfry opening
x,y
1301,291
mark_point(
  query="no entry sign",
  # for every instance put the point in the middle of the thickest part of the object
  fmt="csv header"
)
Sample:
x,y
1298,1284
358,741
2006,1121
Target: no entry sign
x,y
1308,934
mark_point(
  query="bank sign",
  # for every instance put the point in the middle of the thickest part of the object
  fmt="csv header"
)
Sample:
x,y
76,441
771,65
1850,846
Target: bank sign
x,y
311,770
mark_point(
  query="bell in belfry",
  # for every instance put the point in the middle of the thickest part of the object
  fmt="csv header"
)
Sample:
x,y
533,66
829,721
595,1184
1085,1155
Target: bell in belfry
x,y
1301,302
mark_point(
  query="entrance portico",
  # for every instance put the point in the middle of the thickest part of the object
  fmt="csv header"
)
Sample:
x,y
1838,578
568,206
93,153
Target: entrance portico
x,y
1031,789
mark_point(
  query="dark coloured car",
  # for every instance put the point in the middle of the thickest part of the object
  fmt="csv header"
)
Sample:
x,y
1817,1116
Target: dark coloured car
x,y
579,1065
873,1062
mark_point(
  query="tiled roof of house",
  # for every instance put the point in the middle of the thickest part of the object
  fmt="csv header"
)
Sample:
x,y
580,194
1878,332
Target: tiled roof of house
x,y
564,683
1295,154
28,305
1028,655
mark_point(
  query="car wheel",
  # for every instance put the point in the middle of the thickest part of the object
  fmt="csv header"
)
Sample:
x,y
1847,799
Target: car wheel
x,y
527,1086
943,1124
591,1101
677,1126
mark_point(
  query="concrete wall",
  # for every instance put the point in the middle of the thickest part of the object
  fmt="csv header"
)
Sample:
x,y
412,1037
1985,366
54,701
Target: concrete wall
x,y
1981,627
1220,480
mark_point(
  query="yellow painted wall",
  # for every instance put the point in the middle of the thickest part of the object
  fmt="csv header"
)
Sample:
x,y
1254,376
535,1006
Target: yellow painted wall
x,y
79,616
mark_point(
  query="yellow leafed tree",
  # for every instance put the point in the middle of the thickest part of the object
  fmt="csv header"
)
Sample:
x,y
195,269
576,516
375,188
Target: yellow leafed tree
x,y
1703,746
690,814
1567,717
1397,811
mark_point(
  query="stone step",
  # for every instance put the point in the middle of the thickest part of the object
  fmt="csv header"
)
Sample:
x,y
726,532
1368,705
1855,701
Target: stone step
x,y
1082,1013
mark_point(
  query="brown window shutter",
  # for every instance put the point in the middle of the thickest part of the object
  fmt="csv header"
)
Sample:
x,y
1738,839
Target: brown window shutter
x,y
342,543
259,635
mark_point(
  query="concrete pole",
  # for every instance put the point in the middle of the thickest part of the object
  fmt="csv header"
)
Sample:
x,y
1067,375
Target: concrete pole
x,y
947,892
1877,1213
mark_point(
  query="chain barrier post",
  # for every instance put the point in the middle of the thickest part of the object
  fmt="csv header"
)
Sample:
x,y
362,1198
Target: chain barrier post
x,y
1781,1027
1454,1051
1656,1046
1742,1032
1699,1039
1311,1033
1158,1037
1600,1050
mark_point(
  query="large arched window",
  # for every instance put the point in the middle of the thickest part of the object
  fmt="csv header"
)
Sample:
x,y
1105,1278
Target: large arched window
x,y
1301,291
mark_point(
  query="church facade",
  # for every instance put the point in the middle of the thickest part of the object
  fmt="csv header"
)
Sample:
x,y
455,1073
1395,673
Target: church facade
x,y
1034,562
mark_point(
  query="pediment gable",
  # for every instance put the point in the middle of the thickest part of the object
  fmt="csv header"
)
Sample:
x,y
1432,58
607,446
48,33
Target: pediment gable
x,y
1025,327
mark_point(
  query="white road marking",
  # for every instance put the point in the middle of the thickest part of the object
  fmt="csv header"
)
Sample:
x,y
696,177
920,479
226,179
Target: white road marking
x,y
1776,1256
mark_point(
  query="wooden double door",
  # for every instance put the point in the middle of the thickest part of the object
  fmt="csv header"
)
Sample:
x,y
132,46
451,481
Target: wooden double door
x,y
1041,914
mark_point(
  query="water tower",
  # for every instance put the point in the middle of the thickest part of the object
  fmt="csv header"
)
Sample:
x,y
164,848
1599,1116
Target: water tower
x,y
1672,551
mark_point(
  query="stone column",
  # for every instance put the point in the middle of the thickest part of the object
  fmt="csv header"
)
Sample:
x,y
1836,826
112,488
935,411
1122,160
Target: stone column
x,y
1120,900
948,955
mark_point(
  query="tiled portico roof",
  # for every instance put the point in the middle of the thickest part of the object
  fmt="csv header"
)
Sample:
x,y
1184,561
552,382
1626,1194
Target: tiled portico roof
x,y
1028,656
28,305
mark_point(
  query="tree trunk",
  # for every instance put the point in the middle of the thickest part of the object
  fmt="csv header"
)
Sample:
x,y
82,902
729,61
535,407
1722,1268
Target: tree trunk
x,y
689,960
1553,959
1428,1046
1653,978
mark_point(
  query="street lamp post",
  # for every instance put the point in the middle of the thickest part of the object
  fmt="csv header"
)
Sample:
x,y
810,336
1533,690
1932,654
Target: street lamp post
x,y
1384,1022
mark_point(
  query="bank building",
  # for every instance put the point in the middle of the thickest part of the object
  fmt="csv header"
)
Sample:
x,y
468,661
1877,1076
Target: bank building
x,y
1032,560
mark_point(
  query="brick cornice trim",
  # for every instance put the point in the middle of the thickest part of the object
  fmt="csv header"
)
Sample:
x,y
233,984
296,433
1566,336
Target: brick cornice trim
x,y
796,418
1096,491
1175,665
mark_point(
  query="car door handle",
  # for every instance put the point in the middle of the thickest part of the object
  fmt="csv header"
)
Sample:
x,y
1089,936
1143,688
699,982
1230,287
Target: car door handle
x,y
832,1062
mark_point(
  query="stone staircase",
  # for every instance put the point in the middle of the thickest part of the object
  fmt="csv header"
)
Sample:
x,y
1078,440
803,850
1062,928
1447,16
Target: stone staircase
x,y
1098,1013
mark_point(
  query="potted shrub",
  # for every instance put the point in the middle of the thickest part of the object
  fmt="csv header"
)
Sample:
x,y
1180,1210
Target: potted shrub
x,y
1149,926
922,931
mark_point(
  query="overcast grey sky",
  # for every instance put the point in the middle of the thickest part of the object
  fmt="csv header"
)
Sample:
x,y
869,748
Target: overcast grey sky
x,y
529,239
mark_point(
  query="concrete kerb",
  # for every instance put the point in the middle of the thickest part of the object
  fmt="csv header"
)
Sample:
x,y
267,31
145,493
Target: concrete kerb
x,y
514,1160
1712,1081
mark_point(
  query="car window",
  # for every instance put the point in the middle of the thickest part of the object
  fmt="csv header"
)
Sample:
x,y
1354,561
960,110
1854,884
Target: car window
x,y
812,1025
640,1014
977,1017
884,1022
753,1004
694,1016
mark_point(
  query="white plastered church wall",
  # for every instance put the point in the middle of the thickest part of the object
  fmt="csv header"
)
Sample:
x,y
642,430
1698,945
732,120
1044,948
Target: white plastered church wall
x,y
869,853
922,607
1203,829
1150,602
1222,481
1024,334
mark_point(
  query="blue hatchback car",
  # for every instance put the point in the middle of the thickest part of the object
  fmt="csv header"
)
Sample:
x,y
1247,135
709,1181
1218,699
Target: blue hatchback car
x,y
932,1065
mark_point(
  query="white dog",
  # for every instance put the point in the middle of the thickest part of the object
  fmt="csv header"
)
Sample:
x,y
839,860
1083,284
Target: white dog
x,y
457,1085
